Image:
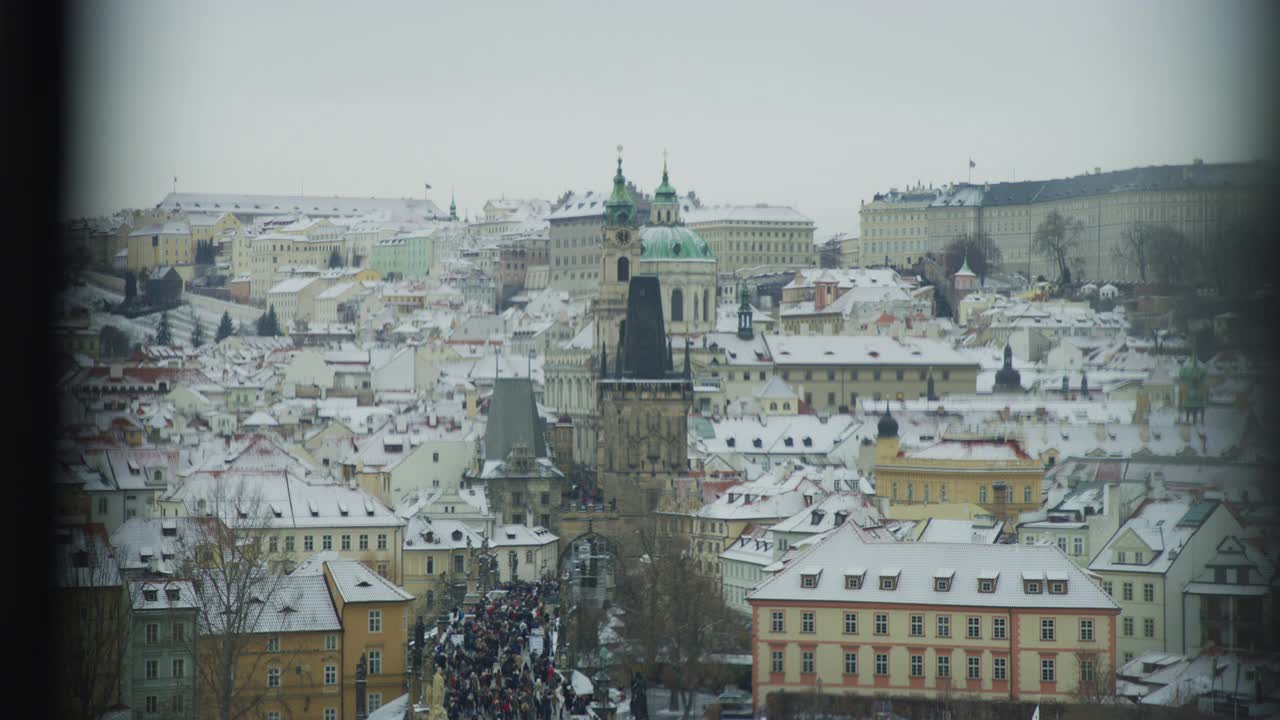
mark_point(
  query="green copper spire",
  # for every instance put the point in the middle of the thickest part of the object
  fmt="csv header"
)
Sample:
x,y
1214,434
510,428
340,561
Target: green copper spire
x,y
665,192
964,268
619,209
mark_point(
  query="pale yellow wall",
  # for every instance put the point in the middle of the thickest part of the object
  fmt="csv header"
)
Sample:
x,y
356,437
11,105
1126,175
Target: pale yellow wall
x,y
831,642
823,380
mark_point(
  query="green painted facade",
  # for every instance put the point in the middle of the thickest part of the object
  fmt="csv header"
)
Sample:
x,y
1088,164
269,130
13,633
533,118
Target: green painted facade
x,y
410,256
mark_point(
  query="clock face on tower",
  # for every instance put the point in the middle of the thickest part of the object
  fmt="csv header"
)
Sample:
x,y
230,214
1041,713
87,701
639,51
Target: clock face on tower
x,y
624,237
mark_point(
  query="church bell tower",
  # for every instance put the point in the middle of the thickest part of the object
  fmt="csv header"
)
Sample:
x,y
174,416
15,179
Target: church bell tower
x,y
619,259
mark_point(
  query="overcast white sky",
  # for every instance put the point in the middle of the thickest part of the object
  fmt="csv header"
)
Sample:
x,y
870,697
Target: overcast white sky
x,y
813,105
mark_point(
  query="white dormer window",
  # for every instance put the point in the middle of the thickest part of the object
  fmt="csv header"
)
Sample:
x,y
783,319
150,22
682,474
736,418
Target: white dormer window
x,y
1121,557
941,584
808,581
1058,587
1138,558
1033,587
889,579
986,585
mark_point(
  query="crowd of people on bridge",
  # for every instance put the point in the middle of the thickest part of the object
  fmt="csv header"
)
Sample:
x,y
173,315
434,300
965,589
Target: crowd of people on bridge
x,y
489,668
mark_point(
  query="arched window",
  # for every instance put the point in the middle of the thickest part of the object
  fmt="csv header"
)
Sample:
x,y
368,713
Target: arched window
x,y
677,305
624,269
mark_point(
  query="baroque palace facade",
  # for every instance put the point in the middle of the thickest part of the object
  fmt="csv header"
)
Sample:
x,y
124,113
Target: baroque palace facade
x,y
1200,200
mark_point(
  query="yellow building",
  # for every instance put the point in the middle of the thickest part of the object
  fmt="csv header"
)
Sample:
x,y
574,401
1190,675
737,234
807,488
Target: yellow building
x,y
287,660
297,519
834,372
375,620
161,244
211,226
930,619
995,474
894,227
437,553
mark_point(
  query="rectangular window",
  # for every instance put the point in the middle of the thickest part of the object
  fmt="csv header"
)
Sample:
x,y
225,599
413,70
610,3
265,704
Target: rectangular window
x,y
975,667
851,623
330,674
177,704
288,543
917,666
975,627
1148,627
882,663
273,677
375,621
375,662
179,632
777,621
806,622
944,626
153,633
153,703
1148,592
308,543
326,542
1046,670
917,625
1046,629
997,628
1088,671
330,642
179,668
382,542
364,542
882,624
330,714
273,644
1107,588
346,542
1127,591
1077,546
1086,630
806,662
375,701
152,669
1127,625
272,544
944,666
851,663
999,666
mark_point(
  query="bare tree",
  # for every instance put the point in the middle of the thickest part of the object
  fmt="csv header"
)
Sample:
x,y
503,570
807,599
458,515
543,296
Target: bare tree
x,y
1135,247
981,252
229,558
1097,679
674,617
1058,239
1173,259
93,630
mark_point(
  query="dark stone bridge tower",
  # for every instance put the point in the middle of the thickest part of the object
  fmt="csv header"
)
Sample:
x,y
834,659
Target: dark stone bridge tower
x,y
643,402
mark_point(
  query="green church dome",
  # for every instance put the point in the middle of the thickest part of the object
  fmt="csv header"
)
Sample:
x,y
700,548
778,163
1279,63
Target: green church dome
x,y
673,242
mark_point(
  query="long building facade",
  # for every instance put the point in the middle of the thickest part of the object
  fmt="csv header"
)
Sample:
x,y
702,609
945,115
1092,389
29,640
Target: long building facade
x,y
931,620
1199,200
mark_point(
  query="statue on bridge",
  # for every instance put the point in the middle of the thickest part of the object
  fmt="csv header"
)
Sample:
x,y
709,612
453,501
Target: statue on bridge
x,y
639,698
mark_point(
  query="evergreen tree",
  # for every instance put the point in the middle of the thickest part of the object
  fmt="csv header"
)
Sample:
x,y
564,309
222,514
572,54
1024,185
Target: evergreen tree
x,y
268,324
225,328
197,330
130,286
163,335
